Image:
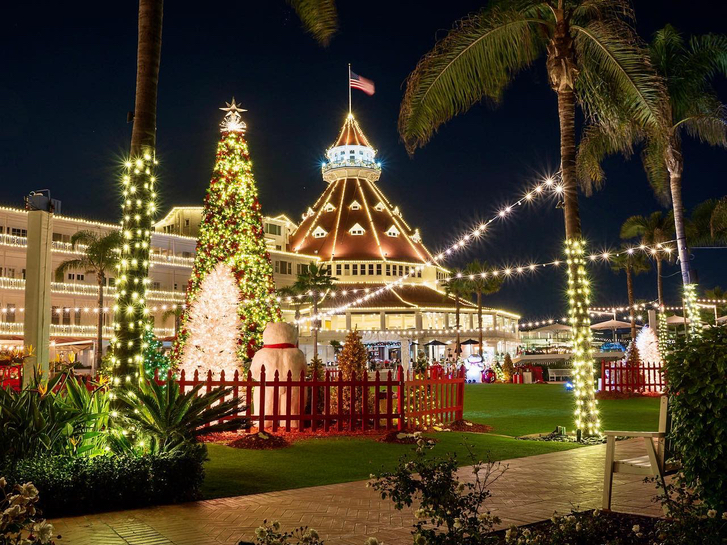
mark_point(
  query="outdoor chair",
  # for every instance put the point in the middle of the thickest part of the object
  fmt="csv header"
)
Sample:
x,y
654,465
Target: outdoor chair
x,y
653,463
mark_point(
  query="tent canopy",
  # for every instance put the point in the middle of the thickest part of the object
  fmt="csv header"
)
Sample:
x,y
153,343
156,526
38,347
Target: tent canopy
x,y
612,324
551,328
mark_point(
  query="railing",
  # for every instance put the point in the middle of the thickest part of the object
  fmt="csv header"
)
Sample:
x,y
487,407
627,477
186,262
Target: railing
x,y
85,331
386,401
621,376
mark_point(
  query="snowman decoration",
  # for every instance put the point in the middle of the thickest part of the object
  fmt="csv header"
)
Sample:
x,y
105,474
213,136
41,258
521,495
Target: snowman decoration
x,y
279,353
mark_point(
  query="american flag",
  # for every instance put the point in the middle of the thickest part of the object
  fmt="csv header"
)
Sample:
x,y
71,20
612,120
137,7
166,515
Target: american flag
x,y
361,83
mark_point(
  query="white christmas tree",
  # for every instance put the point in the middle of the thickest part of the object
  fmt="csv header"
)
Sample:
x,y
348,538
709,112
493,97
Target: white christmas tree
x,y
214,326
648,345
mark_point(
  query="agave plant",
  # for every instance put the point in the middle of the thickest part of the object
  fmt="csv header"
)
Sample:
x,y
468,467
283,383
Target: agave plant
x,y
168,418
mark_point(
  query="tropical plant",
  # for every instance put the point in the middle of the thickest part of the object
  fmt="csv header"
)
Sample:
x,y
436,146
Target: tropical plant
x,y
481,285
717,294
707,224
632,263
652,230
457,288
100,253
59,417
315,282
337,346
168,419
691,106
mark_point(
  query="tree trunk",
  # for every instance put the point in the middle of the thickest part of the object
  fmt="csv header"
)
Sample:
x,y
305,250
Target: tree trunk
x,y
567,116
659,281
99,328
143,135
457,349
630,289
675,184
479,319
314,324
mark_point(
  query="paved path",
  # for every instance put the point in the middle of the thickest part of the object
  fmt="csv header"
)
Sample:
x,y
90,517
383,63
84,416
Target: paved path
x,y
530,490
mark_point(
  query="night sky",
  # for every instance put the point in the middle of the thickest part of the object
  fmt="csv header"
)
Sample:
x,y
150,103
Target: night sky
x,y
68,76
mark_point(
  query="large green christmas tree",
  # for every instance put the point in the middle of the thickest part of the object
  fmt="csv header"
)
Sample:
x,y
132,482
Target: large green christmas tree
x,y
233,258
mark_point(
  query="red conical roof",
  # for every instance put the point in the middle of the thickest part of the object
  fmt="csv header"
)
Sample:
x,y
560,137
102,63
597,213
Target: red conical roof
x,y
351,134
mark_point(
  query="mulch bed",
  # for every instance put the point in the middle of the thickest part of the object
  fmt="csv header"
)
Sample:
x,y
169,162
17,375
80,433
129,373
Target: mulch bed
x,y
403,438
472,427
259,441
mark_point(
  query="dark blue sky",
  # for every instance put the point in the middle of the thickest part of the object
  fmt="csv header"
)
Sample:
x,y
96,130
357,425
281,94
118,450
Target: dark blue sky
x,y
68,80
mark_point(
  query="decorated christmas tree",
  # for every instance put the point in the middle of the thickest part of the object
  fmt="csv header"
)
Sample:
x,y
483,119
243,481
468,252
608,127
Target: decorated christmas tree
x,y
508,369
648,345
154,356
352,359
233,258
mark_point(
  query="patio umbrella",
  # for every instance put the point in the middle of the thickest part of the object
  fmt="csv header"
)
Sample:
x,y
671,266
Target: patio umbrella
x,y
551,327
435,342
612,325
722,319
677,320
469,341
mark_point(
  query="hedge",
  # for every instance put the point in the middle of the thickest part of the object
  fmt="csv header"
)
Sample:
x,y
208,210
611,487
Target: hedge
x,y
77,485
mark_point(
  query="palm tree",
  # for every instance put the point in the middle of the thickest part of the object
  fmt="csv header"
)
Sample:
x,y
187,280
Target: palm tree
x,y
593,59
480,286
315,282
458,288
718,294
691,106
100,253
707,225
632,263
653,230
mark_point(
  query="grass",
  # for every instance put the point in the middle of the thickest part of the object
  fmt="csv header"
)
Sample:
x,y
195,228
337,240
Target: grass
x,y
521,409
512,410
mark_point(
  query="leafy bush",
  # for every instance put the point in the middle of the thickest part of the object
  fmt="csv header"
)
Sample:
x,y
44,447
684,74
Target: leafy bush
x,y
450,512
59,417
20,523
696,372
74,485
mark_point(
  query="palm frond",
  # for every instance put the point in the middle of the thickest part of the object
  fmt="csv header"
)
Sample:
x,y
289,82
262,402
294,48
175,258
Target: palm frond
x,y
80,264
477,59
586,10
595,145
709,127
319,18
652,157
616,79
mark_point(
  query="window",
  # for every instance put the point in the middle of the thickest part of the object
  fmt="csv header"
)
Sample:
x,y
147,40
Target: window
x,y
378,268
356,230
379,207
66,316
272,229
60,237
156,286
55,315
77,316
110,281
371,269
346,269
319,232
9,272
283,267
18,232
355,205
329,207
419,273
302,269
175,286
10,316
80,277
338,269
186,222
71,276
363,269
393,231
388,270
354,269
23,272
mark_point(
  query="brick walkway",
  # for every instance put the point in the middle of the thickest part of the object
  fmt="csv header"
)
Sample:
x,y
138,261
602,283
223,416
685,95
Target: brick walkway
x,y
531,489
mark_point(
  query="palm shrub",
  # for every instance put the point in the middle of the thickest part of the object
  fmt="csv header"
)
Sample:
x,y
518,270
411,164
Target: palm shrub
x,y
315,282
696,371
165,419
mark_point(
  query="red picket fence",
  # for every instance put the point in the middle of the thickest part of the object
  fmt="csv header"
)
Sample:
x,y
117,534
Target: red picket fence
x,y
385,402
620,376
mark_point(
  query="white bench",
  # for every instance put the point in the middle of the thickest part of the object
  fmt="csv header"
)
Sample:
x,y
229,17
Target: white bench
x,y
557,375
651,464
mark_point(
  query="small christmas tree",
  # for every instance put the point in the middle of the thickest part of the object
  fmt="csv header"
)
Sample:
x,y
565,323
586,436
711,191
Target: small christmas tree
x,y
648,345
633,358
154,357
507,369
212,326
352,359
232,234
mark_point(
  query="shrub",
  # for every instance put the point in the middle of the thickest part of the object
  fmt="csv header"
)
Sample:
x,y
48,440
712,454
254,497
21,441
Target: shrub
x,y
20,523
450,512
508,370
74,485
696,372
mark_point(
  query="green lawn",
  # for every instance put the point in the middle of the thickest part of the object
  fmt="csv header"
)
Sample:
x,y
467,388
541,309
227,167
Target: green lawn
x,y
512,410
520,409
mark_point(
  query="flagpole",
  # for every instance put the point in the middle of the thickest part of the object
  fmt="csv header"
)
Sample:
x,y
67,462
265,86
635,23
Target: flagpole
x,y
349,88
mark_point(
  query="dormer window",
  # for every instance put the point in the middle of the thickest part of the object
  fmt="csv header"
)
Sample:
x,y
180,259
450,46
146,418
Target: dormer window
x,y
396,211
329,207
355,205
356,230
319,232
380,207
393,231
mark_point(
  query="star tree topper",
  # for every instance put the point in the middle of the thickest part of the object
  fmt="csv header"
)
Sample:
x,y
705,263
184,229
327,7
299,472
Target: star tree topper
x,y
233,120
